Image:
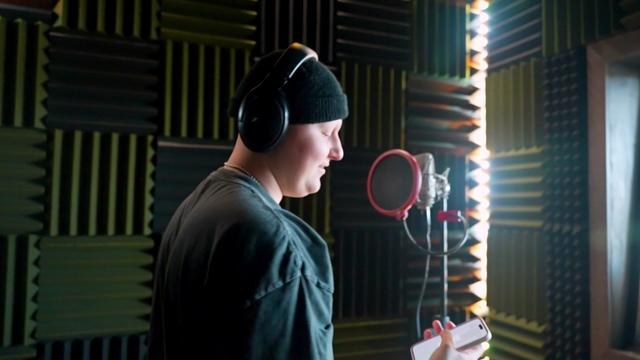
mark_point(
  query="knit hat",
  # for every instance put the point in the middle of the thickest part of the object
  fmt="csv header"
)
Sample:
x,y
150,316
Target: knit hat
x,y
313,93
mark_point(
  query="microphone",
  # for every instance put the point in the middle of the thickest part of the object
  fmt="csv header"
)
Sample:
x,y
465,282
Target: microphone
x,y
427,195
434,186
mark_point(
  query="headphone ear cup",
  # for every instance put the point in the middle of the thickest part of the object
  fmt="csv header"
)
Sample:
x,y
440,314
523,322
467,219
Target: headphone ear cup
x,y
263,119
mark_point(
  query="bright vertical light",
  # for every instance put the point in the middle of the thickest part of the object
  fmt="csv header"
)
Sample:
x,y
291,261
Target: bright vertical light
x,y
477,61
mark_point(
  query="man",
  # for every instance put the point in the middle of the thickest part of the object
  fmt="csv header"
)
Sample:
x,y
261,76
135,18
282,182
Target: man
x,y
237,276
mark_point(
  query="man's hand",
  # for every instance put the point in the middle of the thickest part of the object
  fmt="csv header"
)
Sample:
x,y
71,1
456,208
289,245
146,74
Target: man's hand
x,y
446,351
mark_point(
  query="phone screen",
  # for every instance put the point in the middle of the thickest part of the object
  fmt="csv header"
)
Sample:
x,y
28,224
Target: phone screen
x,y
467,334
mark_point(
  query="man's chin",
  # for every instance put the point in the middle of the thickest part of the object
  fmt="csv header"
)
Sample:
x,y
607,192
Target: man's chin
x,y
309,190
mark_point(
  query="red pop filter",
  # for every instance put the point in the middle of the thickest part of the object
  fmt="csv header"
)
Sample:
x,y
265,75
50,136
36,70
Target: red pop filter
x,y
393,183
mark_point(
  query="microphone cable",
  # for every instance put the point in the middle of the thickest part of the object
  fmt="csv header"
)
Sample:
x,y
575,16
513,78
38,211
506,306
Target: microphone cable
x,y
429,252
426,270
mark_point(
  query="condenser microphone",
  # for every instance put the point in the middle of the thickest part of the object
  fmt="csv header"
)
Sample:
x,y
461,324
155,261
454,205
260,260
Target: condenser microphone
x,y
427,195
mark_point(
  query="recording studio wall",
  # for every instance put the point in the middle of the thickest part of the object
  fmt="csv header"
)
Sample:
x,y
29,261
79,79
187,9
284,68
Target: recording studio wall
x,y
113,110
536,128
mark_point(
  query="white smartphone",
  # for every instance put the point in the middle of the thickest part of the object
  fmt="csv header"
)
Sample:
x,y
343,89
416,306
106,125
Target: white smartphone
x,y
465,335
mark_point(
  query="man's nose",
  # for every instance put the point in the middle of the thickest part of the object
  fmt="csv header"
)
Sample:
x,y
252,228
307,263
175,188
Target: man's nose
x,y
337,153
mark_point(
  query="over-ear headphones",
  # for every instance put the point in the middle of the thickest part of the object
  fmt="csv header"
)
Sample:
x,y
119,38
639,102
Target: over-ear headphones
x,y
263,117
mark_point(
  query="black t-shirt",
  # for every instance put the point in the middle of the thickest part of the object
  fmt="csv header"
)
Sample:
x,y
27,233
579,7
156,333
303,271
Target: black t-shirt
x,y
238,277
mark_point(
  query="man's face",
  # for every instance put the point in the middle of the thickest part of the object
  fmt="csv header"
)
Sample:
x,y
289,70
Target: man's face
x,y
303,156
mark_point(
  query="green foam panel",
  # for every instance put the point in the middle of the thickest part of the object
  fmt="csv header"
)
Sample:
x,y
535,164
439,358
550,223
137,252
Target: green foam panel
x,y
100,183
376,105
18,289
22,69
440,38
130,18
22,180
226,23
514,107
94,286
199,81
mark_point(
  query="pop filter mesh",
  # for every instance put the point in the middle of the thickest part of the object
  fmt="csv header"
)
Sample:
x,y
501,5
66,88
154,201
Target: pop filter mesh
x,y
391,182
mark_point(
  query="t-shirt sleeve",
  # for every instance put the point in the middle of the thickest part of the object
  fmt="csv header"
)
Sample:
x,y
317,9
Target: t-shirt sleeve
x,y
291,322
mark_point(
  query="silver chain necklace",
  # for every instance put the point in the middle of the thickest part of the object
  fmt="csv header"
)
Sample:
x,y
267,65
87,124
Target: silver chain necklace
x,y
240,169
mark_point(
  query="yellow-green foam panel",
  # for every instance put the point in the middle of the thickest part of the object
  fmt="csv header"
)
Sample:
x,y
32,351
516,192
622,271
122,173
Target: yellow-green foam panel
x,y
100,183
94,286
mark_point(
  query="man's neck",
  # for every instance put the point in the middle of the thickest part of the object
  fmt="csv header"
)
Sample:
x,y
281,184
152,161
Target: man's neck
x,y
259,170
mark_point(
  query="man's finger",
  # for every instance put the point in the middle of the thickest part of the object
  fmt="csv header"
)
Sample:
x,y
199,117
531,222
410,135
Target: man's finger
x,y
427,334
437,326
450,325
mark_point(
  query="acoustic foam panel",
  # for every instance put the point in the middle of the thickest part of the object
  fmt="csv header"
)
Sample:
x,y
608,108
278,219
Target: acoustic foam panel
x,y
516,338
101,184
440,115
369,272
517,282
94,286
569,24
440,38
515,32
525,29
127,347
514,107
371,339
225,23
127,18
181,165
17,352
518,189
22,180
376,105
19,271
22,69
310,22
566,202
374,32
199,82
631,17
102,83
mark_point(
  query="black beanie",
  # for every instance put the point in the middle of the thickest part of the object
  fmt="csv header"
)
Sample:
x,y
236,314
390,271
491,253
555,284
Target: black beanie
x,y
313,92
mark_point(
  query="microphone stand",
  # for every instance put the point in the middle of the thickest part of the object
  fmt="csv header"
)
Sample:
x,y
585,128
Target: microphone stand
x,y
444,216
445,270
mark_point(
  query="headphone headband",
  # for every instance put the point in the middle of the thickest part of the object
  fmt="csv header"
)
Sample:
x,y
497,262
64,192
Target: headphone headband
x,y
287,65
